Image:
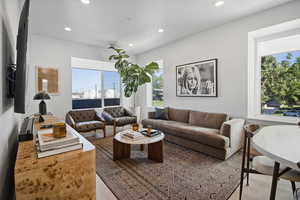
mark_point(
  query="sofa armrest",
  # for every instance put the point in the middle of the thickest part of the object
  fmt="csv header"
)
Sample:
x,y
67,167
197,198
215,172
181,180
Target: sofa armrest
x,y
70,121
107,117
151,115
234,130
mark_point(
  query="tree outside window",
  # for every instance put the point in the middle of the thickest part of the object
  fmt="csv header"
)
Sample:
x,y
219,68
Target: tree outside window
x,y
280,84
157,88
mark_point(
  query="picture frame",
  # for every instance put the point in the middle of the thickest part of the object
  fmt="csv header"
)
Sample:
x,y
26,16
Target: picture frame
x,y
51,74
197,79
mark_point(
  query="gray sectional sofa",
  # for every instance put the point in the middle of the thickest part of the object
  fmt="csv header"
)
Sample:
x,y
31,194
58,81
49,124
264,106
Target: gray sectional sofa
x,y
210,133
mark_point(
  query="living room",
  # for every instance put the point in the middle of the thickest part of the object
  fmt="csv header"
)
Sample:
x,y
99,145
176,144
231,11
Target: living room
x,y
162,99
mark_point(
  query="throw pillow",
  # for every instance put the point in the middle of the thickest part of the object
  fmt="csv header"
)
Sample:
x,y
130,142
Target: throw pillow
x,y
161,113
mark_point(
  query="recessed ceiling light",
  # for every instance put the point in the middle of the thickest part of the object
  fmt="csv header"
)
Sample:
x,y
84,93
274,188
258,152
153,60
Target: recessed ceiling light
x,y
161,30
131,45
68,29
85,1
219,3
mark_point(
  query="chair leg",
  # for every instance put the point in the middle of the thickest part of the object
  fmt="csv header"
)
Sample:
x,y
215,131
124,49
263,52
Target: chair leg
x,y
104,132
248,159
293,186
115,128
243,168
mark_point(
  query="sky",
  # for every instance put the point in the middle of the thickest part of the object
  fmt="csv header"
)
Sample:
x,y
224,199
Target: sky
x,y
282,56
85,78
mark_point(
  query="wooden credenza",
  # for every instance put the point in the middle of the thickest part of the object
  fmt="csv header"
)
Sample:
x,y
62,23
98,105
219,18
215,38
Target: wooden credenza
x,y
66,176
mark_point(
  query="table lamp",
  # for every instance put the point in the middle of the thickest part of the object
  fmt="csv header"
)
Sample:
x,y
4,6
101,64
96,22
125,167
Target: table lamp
x,y
42,107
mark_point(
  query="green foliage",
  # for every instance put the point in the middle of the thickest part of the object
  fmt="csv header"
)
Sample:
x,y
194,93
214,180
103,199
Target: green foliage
x,y
132,75
157,81
280,82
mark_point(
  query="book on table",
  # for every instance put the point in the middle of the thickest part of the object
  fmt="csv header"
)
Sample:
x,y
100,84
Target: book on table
x,y
132,135
42,154
48,145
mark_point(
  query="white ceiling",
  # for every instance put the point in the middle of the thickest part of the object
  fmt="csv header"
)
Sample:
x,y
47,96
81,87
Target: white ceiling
x,y
135,21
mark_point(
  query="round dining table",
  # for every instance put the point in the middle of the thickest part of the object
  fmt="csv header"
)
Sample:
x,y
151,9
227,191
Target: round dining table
x,y
280,143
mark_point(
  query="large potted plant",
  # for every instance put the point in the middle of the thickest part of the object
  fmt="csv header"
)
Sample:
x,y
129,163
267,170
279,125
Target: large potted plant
x,y
132,75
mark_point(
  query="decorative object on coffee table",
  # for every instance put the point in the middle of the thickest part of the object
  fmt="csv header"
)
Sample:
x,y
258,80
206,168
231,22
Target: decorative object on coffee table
x,y
122,147
135,127
198,79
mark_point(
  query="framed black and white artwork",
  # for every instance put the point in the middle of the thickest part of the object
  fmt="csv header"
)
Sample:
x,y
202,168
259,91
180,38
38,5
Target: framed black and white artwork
x,y
198,79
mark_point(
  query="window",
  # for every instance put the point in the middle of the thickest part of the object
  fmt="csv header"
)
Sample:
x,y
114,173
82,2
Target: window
x,y
274,73
157,88
111,84
280,84
93,88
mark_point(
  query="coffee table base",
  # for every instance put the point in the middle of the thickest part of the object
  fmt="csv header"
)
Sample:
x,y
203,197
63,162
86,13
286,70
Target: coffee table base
x,y
155,151
122,151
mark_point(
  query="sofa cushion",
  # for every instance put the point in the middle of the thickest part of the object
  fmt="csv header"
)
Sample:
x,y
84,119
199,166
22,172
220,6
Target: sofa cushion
x,y
83,115
202,135
116,111
160,124
179,115
121,121
88,126
207,120
161,113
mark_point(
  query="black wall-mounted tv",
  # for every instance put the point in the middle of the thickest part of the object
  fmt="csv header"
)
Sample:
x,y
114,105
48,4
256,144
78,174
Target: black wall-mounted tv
x,y
21,72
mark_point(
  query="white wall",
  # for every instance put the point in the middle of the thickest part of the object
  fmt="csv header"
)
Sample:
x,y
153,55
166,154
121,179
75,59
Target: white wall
x,y
228,43
50,52
9,13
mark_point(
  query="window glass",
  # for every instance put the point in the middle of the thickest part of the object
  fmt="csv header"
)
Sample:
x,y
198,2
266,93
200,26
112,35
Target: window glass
x,y
86,88
280,84
157,88
111,84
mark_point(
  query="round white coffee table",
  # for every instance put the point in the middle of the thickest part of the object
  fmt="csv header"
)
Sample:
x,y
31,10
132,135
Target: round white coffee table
x,y
281,144
122,146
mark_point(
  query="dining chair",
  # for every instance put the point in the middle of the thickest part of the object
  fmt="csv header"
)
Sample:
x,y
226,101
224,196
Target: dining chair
x,y
255,163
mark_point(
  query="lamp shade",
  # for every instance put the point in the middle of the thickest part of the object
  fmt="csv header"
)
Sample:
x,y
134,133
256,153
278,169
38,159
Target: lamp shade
x,y
41,96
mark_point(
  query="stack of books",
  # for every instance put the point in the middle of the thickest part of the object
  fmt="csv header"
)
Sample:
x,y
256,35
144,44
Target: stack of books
x,y
132,135
48,145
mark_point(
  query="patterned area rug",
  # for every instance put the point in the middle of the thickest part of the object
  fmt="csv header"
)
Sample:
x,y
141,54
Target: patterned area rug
x,y
184,174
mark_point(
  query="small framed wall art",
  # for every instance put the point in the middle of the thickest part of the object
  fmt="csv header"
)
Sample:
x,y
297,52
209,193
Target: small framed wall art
x,y
47,78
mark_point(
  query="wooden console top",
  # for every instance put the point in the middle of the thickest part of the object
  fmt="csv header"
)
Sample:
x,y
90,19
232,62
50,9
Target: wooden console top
x,y
70,175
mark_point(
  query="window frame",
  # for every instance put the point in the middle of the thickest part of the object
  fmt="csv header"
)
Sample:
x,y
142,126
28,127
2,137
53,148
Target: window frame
x,y
254,68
